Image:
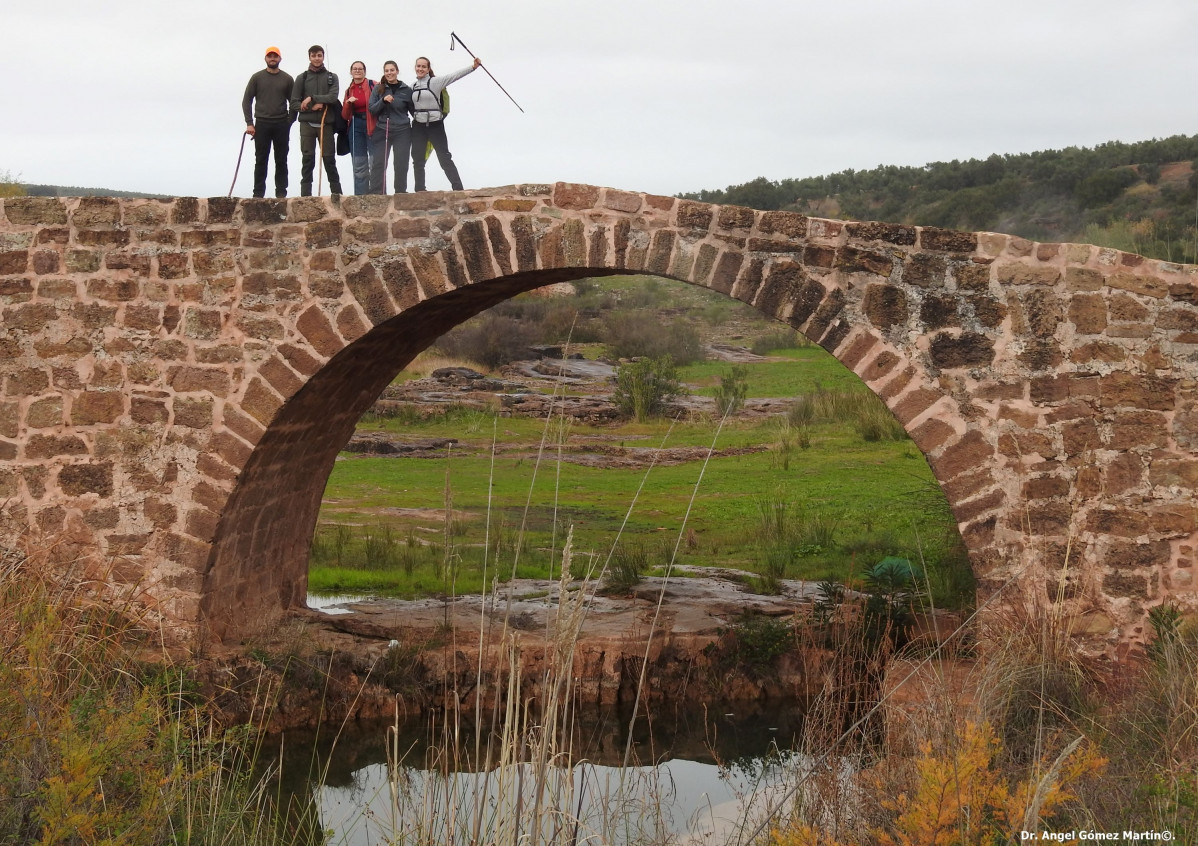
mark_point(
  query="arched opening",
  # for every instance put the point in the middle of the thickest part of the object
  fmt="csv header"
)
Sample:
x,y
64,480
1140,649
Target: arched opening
x,y
261,551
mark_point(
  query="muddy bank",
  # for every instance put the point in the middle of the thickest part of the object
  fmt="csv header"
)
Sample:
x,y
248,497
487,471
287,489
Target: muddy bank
x,y
570,387
706,640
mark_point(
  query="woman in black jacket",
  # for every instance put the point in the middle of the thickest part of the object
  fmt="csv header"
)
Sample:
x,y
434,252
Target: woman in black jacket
x,y
391,105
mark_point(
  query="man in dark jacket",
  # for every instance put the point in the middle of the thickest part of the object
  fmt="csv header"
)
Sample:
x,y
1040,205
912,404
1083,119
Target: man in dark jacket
x,y
269,124
314,100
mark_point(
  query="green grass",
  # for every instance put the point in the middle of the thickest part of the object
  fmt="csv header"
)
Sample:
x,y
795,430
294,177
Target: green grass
x,y
871,498
798,371
867,489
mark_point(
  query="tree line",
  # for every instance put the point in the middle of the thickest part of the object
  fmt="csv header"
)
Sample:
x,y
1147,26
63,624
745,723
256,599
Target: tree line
x,y
1140,196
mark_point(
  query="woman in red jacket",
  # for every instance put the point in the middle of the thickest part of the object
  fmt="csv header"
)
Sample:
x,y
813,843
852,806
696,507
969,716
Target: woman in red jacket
x,y
361,124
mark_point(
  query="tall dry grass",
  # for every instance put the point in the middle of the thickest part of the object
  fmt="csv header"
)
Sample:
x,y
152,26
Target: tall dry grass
x,y
102,744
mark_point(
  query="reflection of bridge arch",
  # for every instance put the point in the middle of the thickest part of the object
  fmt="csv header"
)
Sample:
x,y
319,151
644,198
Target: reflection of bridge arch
x,y
178,376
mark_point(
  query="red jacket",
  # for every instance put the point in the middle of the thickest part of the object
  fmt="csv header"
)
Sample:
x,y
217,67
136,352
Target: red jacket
x,y
362,92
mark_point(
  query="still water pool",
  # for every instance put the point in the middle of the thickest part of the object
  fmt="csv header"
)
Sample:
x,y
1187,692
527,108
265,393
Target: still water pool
x,y
696,771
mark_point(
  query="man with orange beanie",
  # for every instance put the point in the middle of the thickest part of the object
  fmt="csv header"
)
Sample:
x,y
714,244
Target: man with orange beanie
x,y
269,90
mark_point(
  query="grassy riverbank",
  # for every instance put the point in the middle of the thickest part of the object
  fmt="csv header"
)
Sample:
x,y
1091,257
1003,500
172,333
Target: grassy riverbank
x,y
107,741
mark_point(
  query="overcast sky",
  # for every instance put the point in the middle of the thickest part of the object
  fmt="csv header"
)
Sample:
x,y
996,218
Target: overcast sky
x,y
646,95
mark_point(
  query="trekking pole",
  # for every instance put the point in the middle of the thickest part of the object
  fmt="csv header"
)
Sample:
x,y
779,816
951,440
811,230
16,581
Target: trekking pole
x,y
386,150
454,36
240,153
320,164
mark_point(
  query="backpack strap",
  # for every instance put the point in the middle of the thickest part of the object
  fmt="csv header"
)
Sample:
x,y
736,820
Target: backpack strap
x,y
426,87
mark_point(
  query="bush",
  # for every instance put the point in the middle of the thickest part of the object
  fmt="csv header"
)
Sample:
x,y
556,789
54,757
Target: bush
x,y
860,409
644,387
490,340
639,334
780,339
627,567
730,394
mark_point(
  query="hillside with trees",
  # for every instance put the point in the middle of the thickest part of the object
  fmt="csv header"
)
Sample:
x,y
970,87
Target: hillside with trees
x,y
1141,197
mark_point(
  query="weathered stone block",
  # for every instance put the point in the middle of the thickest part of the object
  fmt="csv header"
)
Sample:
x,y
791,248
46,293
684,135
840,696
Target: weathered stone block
x,y
968,349
855,260
45,413
1088,312
925,270
193,412
172,265
567,195
509,205
947,240
14,261
187,379
1149,286
26,382
938,312
1045,487
1137,391
1023,274
29,211
82,479
92,407
736,217
891,233
323,233
1126,585
690,215
148,410
971,451
102,237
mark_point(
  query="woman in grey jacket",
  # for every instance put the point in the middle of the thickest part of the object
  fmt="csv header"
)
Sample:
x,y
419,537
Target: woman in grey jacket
x,y
428,122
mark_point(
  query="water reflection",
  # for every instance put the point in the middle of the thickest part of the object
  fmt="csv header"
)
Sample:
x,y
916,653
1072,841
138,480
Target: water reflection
x,y
692,769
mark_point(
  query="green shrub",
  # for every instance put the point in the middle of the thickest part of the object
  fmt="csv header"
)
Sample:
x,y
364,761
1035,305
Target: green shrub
x,y
490,340
774,560
893,587
730,393
644,387
878,424
640,334
627,567
381,548
758,642
779,339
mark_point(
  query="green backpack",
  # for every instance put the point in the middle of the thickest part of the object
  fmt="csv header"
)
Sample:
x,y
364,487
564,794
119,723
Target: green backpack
x,y
428,150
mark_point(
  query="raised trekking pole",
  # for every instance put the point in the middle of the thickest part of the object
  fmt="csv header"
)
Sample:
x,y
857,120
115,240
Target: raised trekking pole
x,y
454,36
240,153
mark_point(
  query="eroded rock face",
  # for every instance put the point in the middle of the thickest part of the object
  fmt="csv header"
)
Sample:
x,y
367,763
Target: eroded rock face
x,y
428,652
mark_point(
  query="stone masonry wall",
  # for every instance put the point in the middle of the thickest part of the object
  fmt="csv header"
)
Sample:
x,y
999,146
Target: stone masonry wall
x,y
176,377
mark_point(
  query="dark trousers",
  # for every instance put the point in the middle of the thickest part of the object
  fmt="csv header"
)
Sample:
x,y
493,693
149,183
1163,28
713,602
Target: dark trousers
x,y
422,135
389,142
268,133
309,133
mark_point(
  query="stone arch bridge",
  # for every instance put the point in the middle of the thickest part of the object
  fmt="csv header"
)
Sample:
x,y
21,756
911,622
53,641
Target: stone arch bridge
x,y
178,376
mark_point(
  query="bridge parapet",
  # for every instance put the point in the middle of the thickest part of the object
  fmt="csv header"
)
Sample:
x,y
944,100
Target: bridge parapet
x,y
178,376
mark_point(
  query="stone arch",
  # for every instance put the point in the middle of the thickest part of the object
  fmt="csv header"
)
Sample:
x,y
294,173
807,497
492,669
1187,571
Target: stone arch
x,y
164,362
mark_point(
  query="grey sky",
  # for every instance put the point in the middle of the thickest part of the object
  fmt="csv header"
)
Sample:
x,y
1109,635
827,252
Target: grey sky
x,y
648,95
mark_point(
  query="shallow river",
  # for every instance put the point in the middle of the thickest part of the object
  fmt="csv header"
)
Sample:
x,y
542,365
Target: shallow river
x,y
695,770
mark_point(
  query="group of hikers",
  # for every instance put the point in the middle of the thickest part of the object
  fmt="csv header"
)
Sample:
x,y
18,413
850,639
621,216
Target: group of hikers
x,y
373,122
